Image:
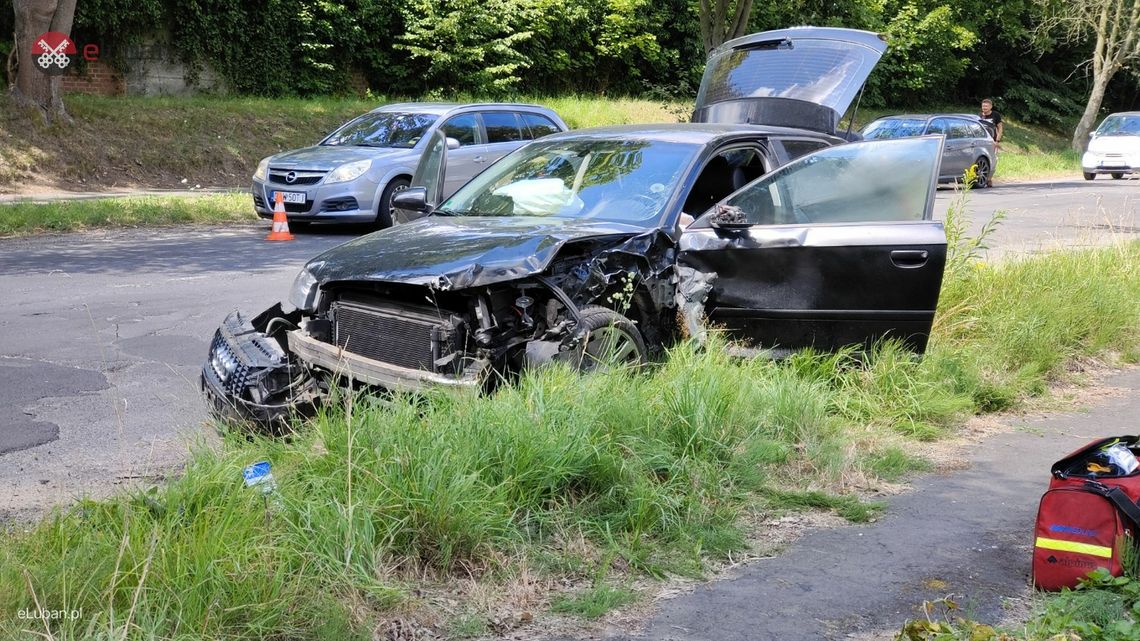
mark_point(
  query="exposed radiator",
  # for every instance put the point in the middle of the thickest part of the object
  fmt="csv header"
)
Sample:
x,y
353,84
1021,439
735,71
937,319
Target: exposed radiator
x,y
393,335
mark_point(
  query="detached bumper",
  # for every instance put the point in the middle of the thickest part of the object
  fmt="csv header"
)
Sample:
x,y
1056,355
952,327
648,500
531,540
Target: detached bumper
x,y
247,375
373,372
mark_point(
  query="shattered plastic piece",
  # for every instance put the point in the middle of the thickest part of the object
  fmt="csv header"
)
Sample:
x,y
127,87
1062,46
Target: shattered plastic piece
x,y
693,288
259,474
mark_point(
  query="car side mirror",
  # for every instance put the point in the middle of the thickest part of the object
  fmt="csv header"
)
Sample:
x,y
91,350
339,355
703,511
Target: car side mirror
x,y
453,143
729,218
412,199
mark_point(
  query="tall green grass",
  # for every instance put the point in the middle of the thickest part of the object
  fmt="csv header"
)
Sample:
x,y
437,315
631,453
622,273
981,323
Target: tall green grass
x,y
560,473
69,215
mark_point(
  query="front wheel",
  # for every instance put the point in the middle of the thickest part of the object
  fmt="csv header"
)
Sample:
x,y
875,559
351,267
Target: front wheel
x,y
384,209
612,340
1117,175
1089,176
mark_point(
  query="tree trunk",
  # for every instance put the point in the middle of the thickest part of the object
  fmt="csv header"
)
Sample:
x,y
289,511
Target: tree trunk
x,y
716,26
34,87
1092,108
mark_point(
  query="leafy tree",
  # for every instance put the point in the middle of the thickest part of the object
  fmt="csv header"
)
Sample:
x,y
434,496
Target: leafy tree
x,y
33,87
723,20
469,45
1113,28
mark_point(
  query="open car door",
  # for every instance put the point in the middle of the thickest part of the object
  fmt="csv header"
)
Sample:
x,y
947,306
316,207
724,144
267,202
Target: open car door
x,y
429,175
834,249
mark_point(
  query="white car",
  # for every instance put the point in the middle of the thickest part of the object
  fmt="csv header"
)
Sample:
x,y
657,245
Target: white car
x,y
1114,148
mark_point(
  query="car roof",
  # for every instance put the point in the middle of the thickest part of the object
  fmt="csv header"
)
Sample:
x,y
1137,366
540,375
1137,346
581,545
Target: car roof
x,y
692,133
1124,113
972,117
440,108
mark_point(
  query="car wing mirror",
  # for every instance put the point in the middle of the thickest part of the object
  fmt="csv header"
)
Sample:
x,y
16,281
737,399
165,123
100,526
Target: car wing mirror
x,y
729,218
453,143
412,199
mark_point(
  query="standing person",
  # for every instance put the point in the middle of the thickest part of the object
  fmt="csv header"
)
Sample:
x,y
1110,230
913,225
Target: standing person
x,y
991,119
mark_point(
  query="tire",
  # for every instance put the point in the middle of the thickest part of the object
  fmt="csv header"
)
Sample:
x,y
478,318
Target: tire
x,y
1089,176
982,180
613,340
384,208
1117,175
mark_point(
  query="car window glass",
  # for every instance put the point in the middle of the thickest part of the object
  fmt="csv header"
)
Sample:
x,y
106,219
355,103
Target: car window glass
x,y
726,172
463,128
619,180
977,131
959,129
893,128
888,180
382,129
797,148
539,125
501,126
939,126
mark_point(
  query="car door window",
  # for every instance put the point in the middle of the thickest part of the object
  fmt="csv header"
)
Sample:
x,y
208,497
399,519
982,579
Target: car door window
x,y
502,126
539,125
464,128
959,130
977,131
886,180
797,148
939,126
724,173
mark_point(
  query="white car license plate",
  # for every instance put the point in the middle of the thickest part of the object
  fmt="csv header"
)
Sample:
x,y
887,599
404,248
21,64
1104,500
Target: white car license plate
x,y
288,196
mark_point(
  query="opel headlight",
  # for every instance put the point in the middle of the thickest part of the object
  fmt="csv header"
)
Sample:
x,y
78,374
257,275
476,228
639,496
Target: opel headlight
x,y
348,171
303,296
262,169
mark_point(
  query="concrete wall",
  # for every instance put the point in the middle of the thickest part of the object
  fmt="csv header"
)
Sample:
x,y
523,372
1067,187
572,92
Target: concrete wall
x,y
152,69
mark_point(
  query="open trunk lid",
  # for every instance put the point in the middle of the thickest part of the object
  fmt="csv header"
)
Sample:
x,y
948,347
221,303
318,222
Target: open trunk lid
x,y
803,77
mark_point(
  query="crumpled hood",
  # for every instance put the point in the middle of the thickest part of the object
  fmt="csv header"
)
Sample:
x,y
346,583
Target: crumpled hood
x,y
1110,144
330,156
459,252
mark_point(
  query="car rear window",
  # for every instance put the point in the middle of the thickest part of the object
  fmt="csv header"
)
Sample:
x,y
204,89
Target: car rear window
x,y
894,128
539,125
502,126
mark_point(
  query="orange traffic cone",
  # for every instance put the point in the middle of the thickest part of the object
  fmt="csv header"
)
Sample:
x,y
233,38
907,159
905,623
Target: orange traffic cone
x,y
280,229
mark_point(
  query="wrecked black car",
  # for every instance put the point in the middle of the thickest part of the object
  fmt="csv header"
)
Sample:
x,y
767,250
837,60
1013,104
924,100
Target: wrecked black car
x,y
609,244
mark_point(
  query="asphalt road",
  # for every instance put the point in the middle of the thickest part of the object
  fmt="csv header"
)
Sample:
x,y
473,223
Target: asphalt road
x,y
102,333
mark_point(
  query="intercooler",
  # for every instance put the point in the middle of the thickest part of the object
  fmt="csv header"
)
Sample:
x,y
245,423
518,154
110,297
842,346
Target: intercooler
x,y
409,337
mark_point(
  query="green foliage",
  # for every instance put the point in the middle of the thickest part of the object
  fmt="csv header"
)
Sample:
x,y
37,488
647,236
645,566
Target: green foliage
x,y
927,55
468,45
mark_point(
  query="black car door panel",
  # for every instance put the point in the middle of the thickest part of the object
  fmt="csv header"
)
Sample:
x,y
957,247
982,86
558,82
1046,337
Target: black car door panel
x,y
827,251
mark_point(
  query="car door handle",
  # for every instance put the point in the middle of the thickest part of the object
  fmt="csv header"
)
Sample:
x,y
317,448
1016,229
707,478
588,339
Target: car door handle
x,y
909,258
478,159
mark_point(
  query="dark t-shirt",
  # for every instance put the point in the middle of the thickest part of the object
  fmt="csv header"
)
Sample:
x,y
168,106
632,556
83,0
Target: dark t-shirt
x,y
991,121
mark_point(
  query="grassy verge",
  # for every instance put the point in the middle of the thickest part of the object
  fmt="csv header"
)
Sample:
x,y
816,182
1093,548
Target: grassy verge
x,y
158,142
382,508
24,218
210,141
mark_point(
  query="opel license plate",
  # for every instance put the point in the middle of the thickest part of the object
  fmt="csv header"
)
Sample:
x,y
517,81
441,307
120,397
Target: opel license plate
x,y
297,197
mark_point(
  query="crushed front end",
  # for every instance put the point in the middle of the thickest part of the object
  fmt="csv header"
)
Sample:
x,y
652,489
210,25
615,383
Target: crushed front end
x,y
249,375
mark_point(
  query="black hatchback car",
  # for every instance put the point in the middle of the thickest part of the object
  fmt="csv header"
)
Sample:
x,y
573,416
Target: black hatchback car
x,y
609,244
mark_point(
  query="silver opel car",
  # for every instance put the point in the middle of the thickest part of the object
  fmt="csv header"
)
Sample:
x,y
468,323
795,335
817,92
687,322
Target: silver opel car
x,y
352,175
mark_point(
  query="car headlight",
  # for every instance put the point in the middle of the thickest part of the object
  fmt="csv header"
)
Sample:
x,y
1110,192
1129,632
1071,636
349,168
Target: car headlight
x,y
262,169
348,171
303,296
